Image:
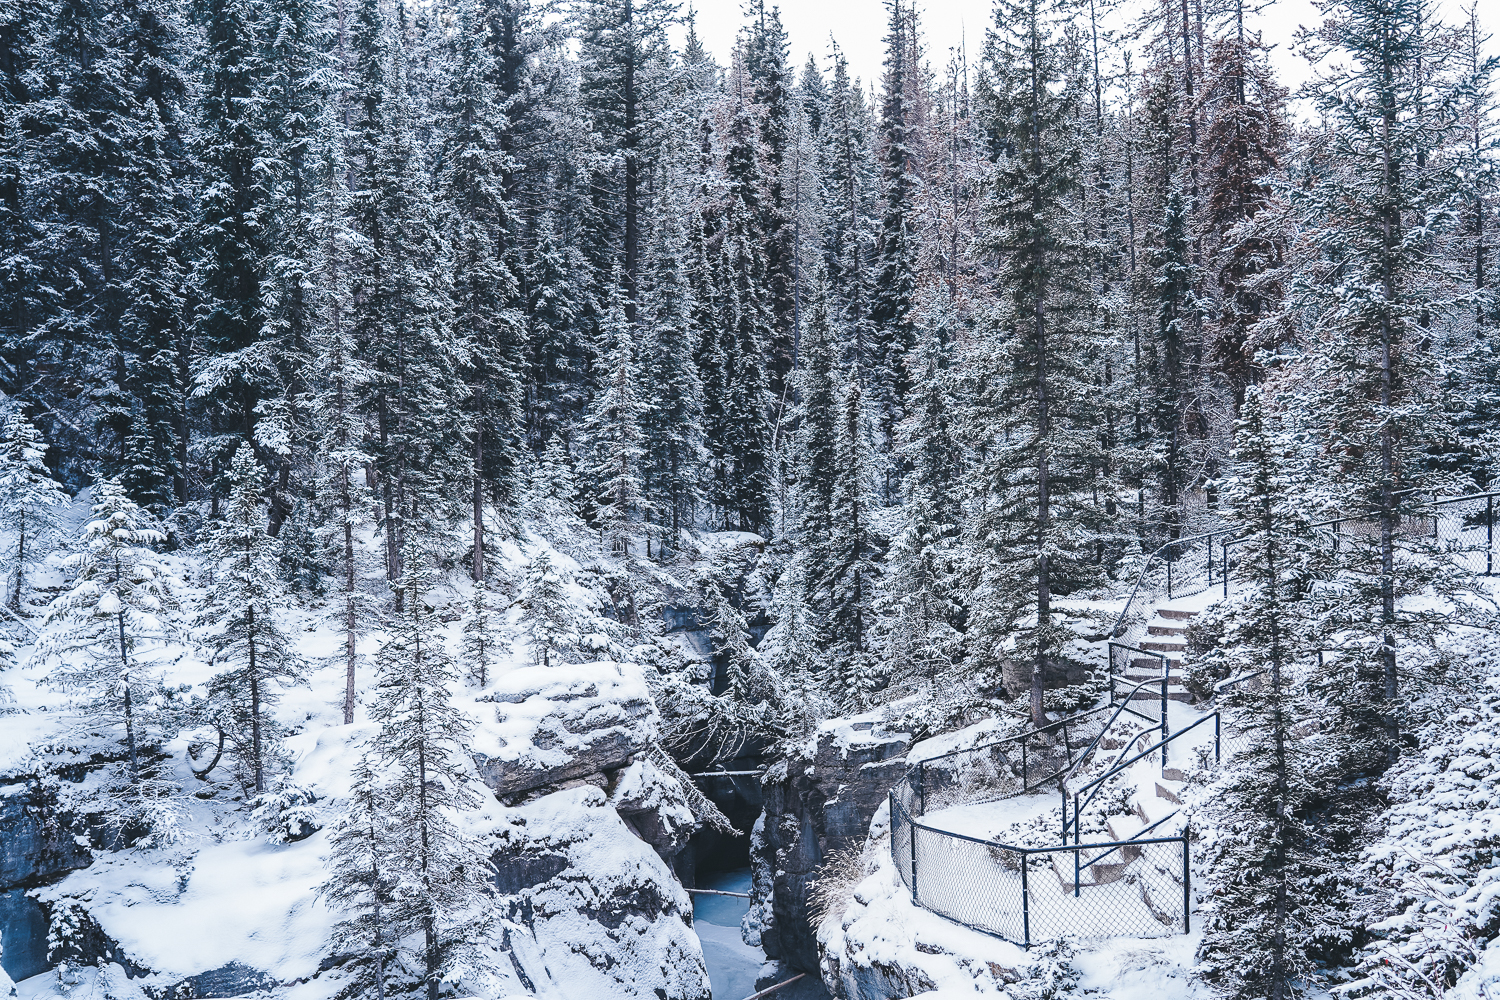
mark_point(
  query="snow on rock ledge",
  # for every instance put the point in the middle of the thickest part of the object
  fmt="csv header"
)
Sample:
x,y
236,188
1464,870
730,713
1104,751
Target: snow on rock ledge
x,y
594,911
557,724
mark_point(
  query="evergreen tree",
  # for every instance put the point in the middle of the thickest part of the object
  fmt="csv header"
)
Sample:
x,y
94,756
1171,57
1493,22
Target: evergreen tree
x,y
672,424
924,601
1269,906
293,73
737,426
31,501
360,884
235,370
557,302
613,432
1032,422
892,297
853,578
546,615
550,500
254,654
114,623
482,646
403,316
485,292
1175,308
438,878
1372,374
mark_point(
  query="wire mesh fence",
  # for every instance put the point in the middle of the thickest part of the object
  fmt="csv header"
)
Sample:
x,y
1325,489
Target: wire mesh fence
x,y
1135,888
1027,894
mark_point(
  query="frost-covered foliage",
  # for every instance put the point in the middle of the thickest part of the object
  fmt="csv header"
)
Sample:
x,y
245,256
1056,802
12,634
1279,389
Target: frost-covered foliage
x,y
255,655
547,617
1437,901
110,634
30,499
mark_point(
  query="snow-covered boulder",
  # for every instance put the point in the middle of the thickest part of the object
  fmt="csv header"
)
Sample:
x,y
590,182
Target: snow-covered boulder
x,y
556,724
593,911
655,806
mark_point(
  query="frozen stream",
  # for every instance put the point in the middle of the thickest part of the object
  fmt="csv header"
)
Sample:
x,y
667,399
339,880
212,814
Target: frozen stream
x,y
734,966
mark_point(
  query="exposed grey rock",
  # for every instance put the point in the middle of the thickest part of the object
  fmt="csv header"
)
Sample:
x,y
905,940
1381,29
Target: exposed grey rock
x,y
38,845
819,802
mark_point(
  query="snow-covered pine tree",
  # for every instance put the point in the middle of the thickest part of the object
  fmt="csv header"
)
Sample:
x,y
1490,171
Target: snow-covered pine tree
x,y
254,655
151,420
673,422
1244,141
738,427
402,315
550,505
1372,376
547,617
486,319
339,380
557,300
361,884
892,297
439,880
853,578
1268,904
923,600
1176,309
295,76
612,431
115,623
1032,423
234,372
483,645
31,501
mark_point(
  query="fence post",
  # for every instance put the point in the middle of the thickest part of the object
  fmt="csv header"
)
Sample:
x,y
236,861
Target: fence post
x,y
1169,579
1224,550
1025,900
1489,535
922,786
913,826
1063,787
1166,730
1077,875
891,801
1077,821
1187,886
1208,545
1218,754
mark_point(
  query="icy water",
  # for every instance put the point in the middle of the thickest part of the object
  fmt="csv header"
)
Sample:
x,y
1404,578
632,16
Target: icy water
x,y
733,965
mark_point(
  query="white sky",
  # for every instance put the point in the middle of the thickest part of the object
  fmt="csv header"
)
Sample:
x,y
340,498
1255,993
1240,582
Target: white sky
x,y
859,26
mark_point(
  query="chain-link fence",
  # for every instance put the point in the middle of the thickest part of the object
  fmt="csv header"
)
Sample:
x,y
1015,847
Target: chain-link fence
x,y
1133,887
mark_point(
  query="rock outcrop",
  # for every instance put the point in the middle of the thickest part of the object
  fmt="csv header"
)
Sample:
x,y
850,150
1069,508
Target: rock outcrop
x,y
818,803
38,846
554,725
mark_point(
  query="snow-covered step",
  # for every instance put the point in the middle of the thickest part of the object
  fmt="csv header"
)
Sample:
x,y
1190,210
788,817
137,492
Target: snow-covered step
x,y
1164,647
1170,790
1156,628
1177,614
1174,693
1125,826
1154,809
1111,869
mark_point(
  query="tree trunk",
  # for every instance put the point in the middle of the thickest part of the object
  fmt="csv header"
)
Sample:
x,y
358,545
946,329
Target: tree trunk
x,y
135,765
260,777
15,595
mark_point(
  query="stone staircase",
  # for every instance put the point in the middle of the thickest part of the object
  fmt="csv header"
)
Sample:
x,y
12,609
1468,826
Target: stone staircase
x,y
1166,633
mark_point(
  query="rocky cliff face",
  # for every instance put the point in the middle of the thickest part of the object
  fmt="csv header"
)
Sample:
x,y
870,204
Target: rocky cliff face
x,y
818,803
38,846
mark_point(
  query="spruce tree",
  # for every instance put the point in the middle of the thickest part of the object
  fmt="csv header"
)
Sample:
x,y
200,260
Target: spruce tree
x,y
438,879
485,292
1372,376
1032,421
234,374
550,505
482,645
360,884
546,615
255,656
853,579
613,432
672,425
1268,906
114,623
31,501
893,295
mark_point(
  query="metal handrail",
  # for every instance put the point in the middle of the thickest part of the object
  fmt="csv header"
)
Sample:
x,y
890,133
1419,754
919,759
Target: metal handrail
x,y
1151,562
1124,706
1097,782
